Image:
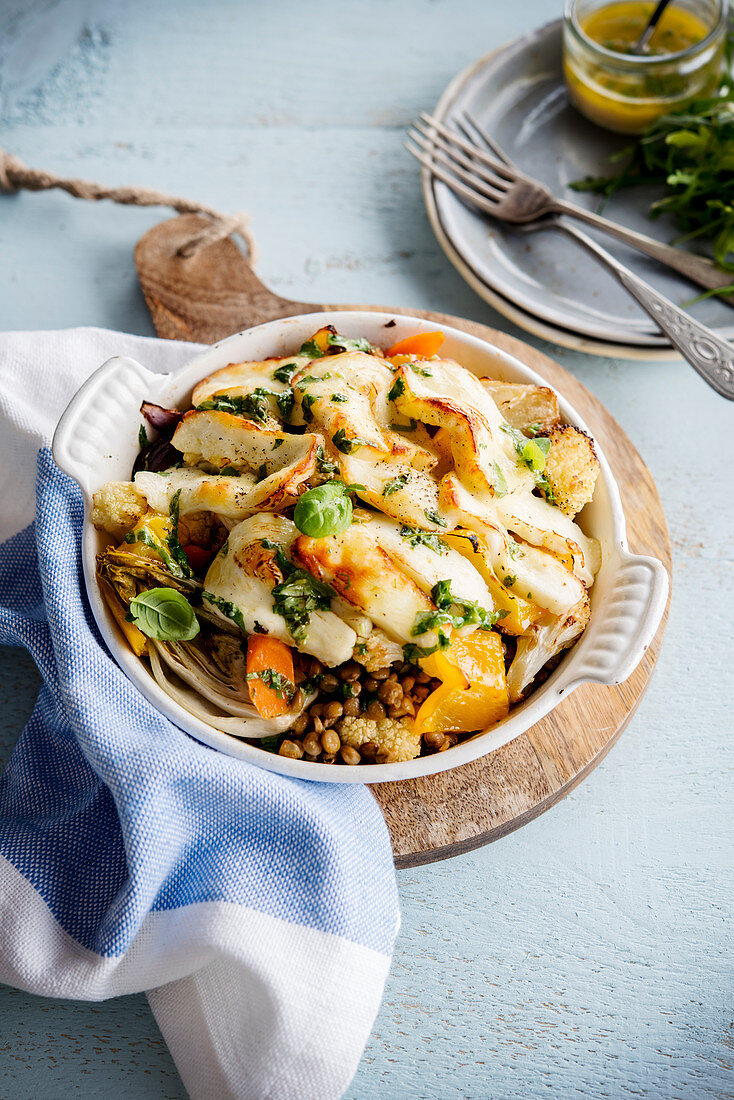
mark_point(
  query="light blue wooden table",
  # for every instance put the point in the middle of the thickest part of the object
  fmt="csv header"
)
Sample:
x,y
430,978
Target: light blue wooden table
x,y
588,954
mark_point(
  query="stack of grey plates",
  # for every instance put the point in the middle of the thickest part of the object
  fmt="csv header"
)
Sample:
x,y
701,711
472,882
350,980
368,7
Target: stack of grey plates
x,y
545,283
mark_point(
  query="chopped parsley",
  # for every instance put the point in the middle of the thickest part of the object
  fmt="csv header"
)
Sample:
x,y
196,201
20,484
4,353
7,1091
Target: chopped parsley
x,y
398,388
509,580
227,608
298,594
174,546
252,406
296,597
153,543
262,472
534,453
229,471
327,468
421,370
142,437
258,628
276,681
307,380
395,485
416,537
450,612
405,427
278,443
307,400
285,372
514,548
334,345
339,397
500,485
433,517
345,445
468,612
285,400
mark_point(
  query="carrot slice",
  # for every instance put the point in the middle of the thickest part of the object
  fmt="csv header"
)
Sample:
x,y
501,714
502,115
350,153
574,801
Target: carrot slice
x,y
423,344
269,674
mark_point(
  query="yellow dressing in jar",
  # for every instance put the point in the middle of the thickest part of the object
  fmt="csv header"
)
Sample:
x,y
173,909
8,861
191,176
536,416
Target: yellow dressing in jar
x,y
626,92
618,27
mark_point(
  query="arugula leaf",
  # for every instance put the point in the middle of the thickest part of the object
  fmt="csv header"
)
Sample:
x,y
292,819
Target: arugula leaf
x,y
690,153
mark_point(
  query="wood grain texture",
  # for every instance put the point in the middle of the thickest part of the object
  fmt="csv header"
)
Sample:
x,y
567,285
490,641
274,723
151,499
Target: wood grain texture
x,y
215,293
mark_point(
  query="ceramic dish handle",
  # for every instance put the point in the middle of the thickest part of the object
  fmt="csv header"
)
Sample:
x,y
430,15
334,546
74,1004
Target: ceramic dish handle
x,y
94,414
633,606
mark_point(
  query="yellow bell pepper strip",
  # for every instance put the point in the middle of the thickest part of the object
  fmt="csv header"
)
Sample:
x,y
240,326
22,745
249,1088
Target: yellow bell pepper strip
x,y
134,637
270,675
475,698
423,345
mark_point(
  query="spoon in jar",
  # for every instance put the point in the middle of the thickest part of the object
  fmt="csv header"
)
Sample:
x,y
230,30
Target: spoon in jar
x,y
642,42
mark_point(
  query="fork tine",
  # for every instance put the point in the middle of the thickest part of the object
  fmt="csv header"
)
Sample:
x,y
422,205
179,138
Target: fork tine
x,y
470,178
454,184
491,143
469,147
486,174
489,184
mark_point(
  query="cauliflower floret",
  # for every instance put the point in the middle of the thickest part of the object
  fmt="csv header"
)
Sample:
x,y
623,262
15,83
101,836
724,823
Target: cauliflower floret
x,y
523,406
117,507
377,651
543,641
571,468
395,736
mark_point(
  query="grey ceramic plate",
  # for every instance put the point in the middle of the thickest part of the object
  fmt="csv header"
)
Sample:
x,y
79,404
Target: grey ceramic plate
x,y
545,282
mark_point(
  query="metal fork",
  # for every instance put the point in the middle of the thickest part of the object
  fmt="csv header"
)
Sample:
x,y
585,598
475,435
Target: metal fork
x,y
511,195
710,356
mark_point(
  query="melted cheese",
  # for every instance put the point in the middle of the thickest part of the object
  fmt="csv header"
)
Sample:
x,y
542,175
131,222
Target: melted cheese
x,y
241,378
425,566
366,576
245,575
362,419
539,576
450,397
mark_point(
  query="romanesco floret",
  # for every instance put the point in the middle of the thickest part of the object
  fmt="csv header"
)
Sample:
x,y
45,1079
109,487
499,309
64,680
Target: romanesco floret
x,y
117,507
396,737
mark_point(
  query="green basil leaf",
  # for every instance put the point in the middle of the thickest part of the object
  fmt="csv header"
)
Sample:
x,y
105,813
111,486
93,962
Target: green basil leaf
x,y
164,614
323,511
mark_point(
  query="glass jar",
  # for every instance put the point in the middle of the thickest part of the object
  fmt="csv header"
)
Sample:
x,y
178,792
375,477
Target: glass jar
x,y
626,92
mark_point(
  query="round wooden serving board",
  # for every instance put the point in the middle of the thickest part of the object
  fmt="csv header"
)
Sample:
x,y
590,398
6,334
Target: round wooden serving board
x,y
216,293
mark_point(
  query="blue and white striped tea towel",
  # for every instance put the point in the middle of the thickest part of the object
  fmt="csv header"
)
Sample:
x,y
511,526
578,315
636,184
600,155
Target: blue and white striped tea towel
x,y
258,912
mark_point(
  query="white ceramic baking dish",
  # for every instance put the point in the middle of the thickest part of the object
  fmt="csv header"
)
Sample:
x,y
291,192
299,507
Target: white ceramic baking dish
x,y
97,439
